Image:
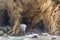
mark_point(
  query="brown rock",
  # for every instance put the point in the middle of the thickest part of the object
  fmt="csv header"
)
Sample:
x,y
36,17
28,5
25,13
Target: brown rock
x,y
30,12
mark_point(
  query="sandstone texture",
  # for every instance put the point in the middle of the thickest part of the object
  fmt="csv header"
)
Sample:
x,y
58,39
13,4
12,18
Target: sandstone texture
x,y
38,15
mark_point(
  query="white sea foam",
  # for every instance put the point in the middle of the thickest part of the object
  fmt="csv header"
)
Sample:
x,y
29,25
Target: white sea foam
x,y
23,27
32,35
45,34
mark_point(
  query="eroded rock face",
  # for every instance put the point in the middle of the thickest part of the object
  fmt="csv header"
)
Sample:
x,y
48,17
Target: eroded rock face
x,y
22,10
25,11
51,18
55,25
31,12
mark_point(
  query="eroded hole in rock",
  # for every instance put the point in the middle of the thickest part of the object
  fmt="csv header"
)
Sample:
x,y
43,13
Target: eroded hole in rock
x,y
4,22
4,18
39,27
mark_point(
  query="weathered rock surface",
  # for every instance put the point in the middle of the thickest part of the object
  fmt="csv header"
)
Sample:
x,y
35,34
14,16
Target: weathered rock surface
x,y
30,12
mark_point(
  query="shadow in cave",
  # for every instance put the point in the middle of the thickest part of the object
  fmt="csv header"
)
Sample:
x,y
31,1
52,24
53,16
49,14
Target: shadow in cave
x,y
25,21
4,18
39,26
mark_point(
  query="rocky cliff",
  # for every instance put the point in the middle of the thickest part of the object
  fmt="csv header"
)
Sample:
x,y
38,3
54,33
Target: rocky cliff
x,y
38,15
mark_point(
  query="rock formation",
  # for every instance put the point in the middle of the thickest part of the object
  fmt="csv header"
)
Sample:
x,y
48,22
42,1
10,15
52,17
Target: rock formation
x,y
30,12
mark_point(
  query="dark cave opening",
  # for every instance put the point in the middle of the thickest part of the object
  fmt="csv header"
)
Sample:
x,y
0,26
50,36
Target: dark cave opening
x,y
4,18
39,26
